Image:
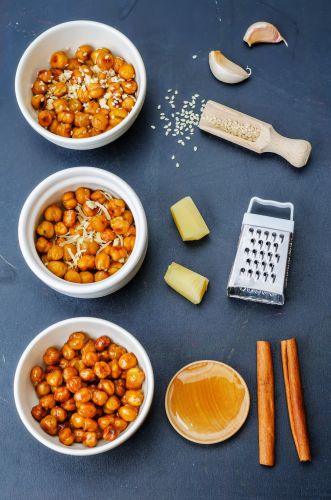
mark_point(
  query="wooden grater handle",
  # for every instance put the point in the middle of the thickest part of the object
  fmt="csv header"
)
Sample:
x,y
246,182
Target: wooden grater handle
x,y
295,151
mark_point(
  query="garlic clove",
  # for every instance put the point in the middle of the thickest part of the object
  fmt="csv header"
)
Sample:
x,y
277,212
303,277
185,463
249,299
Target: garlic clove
x,y
263,32
225,70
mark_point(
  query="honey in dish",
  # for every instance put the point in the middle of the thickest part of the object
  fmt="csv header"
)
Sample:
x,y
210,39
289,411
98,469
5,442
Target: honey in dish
x,y
207,402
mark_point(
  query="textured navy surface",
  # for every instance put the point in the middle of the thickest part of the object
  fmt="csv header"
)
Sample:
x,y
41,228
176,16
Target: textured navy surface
x,y
289,88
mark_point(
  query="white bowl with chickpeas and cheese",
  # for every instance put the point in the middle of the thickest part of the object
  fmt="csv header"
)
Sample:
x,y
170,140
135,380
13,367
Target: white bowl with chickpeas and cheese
x,y
81,84
83,232
52,378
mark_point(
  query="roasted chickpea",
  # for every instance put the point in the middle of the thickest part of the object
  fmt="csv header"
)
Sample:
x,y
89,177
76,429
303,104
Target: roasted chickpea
x,y
102,369
58,89
129,87
47,402
55,253
115,368
49,424
128,103
73,63
46,229
68,251
98,196
87,409
69,201
72,276
118,62
104,356
54,378
83,52
83,95
89,346
128,243
77,340
37,375
77,420
105,420
134,398
80,133
58,268
117,253
45,118
95,54
126,71
119,387
43,388
100,121
45,75
60,105
95,91
112,404
90,425
39,87
108,235
82,194
127,361
100,275
69,217
86,262
90,358
90,439
87,374
56,73
102,343
116,351
38,412
116,207
98,223
59,413
74,105
119,225
64,363
52,356
66,436
82,120
83,395
110,433
43,245
102,262
69,372
88,211
86,277
66,116
69,405
134,378
78,435
105,61
63,129
38,101
131,231
120,424
128,413
99,397
107,386
90,247
59,60
60,229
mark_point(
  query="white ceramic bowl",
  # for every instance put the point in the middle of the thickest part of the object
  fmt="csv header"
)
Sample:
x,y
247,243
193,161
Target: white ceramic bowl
x,y
50,191
69,36
25,395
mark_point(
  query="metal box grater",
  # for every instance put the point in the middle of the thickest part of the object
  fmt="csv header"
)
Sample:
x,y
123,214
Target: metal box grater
x,y
260,269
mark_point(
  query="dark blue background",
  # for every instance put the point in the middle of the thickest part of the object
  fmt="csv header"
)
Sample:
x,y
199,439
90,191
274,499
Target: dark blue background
x,y
289,88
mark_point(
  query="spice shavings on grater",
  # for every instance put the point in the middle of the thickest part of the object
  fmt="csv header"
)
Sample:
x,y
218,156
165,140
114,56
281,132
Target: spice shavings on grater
x,y
260,269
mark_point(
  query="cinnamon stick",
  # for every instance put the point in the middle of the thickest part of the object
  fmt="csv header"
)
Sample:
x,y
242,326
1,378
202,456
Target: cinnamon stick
x,y
265,403
294,396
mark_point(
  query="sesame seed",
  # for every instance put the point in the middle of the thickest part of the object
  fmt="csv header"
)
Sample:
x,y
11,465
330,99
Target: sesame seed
x,y
153,127
194,56
159,106
177,164
195,148
173,157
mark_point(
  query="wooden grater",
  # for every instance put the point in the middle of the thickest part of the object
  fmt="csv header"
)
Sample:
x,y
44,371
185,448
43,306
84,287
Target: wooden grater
x,y
252,133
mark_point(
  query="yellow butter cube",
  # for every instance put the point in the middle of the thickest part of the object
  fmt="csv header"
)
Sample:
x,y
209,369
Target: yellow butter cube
x,y
186,282
189,220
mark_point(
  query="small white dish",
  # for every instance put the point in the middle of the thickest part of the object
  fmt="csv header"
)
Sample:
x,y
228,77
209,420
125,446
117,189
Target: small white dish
x,y
50,191
25,395
66,36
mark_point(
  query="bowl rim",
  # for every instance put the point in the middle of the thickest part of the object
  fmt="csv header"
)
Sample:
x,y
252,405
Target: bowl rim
x,y
140,70
133,426
82,289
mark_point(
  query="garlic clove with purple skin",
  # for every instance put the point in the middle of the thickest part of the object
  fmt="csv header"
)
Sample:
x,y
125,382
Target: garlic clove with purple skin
x,y
263,32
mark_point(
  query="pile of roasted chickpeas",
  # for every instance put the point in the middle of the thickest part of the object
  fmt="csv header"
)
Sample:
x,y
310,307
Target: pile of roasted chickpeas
x,y
88,390
84,95
89,238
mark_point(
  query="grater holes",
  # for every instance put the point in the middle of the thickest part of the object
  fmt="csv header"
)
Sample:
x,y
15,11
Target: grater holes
x,y
264,265
262,254
276,246
251,230
248,261
281,237
254,252
253,241
268,244
265,276
273,277
249,272
242,270
258,232
274,236
269,256
277,257
260,243
257,274
247,251
256,263
271,266
266,235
